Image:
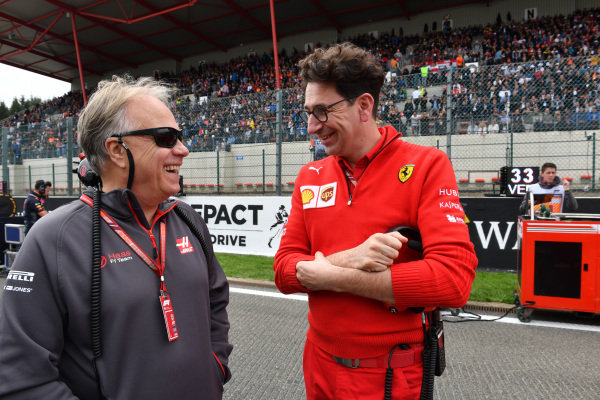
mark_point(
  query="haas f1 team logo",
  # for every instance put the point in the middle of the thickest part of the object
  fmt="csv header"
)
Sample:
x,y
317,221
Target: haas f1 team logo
x,y
184,246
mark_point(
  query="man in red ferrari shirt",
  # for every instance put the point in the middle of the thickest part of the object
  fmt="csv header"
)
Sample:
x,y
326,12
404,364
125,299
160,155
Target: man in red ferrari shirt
x,y
363,281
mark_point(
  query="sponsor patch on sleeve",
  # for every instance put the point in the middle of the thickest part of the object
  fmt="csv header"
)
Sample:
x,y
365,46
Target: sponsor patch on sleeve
x,y
19,281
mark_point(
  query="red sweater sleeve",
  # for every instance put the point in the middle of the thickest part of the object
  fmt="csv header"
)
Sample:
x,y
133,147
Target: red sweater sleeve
x,y
293,248
444,276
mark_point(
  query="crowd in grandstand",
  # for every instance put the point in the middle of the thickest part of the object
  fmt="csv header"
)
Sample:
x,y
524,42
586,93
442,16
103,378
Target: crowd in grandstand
x,y
535,75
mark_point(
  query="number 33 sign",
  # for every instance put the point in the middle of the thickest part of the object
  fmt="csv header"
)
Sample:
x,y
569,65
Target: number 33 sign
x,y
521,177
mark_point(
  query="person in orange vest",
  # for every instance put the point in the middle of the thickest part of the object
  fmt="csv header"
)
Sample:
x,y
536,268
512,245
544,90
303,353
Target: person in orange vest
x,y
557,191
459,61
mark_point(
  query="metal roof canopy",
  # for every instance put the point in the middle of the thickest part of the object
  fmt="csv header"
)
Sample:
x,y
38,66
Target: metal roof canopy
x,y
73,38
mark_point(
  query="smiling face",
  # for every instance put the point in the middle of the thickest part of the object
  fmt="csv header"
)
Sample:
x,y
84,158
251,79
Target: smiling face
x,y
341,135
156,168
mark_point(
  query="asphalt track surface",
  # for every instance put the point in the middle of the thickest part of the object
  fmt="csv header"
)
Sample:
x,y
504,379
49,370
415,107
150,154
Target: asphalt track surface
x,y
556,356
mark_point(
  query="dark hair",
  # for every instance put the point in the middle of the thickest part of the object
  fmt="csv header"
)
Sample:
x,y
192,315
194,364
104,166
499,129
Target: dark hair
x,y
351,69
40,185
548,165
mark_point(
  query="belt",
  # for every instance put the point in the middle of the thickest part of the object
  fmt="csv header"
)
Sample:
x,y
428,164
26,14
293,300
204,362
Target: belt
x,y
400,359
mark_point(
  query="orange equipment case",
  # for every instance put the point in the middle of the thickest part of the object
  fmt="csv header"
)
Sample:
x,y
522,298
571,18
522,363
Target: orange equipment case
x,y
558,264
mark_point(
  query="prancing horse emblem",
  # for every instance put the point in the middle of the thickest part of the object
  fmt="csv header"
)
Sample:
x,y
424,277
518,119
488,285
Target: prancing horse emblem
x,y
405,172
316,169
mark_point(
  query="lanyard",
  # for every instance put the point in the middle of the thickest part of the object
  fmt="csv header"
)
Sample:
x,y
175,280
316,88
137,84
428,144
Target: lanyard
x,y
157,267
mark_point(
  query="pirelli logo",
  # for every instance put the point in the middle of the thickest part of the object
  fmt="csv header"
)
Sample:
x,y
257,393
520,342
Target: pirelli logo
x,y
16,279
20,276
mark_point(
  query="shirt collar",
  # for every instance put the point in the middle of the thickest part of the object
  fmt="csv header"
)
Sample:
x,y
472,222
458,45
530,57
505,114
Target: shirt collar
x,y
367,158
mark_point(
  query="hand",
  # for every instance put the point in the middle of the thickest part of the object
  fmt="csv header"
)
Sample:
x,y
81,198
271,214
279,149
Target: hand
x,y
565,183
375,254
314,275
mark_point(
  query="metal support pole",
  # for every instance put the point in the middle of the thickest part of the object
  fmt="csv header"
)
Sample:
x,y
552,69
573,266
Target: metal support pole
x,y
512,148
69,156
278,137
5,172
263,170
594,162
218,169
53,180
449,114
79,66
278,118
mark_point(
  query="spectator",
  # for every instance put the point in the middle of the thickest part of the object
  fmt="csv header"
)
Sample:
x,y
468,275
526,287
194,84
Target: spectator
x,y
424,124
547,120
538,119
527,117
482,128
493,126
505,121
560,123
408,110
556,82
415,126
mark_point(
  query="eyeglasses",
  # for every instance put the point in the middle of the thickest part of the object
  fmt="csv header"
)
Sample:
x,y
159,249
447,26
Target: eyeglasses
x,y
320,112
164,137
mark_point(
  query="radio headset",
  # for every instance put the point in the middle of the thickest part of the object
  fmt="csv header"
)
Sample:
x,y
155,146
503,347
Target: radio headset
x,y
91,179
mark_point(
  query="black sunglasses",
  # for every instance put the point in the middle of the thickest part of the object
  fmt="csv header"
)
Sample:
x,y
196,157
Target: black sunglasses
x,y
164,137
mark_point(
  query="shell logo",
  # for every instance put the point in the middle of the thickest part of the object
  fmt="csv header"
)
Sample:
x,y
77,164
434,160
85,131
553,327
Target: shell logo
x,y
307,196
327,193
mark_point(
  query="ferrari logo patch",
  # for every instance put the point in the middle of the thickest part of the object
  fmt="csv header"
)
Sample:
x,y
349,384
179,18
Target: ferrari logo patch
x,y
406,172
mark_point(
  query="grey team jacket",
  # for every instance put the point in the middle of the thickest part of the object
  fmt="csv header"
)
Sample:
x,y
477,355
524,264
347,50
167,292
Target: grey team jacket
x,y
45,340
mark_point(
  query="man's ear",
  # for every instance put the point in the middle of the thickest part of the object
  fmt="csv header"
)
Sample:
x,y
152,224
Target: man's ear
x,y
365,104
116,152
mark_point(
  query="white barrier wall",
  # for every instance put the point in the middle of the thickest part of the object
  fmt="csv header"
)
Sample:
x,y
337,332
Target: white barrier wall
x,y
471,155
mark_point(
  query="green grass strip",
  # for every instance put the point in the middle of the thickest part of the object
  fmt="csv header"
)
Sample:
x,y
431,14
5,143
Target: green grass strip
x,y
487,287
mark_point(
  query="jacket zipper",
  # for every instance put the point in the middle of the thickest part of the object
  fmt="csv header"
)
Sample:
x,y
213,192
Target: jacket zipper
x,y
348,182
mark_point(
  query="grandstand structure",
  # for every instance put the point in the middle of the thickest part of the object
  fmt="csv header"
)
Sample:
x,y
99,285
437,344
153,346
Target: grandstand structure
x,y
520,89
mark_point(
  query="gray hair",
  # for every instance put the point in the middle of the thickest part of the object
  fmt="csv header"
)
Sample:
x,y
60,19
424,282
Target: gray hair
x,y
106,113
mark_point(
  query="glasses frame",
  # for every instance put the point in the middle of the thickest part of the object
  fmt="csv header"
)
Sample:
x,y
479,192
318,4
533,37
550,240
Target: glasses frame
x,y
305,114
156,134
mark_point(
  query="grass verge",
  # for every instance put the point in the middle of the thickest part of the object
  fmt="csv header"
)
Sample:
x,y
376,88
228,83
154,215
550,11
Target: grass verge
x,y
487,286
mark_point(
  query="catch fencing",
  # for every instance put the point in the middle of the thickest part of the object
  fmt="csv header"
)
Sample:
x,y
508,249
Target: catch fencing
x,y
484,118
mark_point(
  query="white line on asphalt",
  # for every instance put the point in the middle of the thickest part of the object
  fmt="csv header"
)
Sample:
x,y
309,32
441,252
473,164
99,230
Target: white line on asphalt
x,y
506,320
278,295
547,324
